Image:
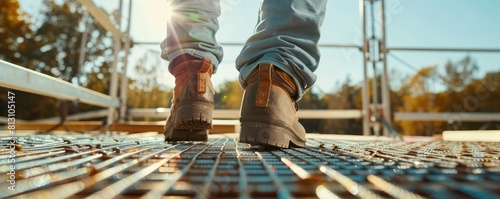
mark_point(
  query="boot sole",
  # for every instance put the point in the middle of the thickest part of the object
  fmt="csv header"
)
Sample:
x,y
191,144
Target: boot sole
x,y
268,135
192,122
188,135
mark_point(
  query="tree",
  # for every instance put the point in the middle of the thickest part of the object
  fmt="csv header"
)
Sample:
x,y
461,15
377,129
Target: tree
x,y
59,37
52,46
14,30
418,97
229,95
145,91
312,99
463,94
346,97
459,74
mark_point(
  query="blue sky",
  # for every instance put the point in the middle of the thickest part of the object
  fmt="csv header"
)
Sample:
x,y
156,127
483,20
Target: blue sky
x,y
411,23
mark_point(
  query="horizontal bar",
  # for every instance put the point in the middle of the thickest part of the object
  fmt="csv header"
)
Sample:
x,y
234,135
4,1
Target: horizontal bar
x,y
149,112
446,116
102,18
16,77
5,120
472,136
444,49
165,112
235,113
339,46
329,114
241,44
219,126
78,116
218,113
221,43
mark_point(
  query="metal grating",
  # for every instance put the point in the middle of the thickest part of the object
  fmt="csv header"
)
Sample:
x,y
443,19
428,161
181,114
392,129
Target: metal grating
x,y
50,166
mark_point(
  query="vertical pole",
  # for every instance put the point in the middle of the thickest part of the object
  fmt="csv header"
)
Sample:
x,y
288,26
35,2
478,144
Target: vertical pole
x,y
124,80
386,95
117,40
83,44
114,83
366,99
119,16
373,60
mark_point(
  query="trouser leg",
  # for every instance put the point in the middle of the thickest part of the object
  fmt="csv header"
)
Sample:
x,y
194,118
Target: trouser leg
x,y
191,30
286,36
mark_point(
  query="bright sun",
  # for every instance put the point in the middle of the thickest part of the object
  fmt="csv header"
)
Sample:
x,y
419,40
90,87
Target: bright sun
x,y
169,10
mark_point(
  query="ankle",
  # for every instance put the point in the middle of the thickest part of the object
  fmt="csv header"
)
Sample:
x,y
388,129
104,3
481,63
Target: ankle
x,y
285,81
186,66
183,58
277,76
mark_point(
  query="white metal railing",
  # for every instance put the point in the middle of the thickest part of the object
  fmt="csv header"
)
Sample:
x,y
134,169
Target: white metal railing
x,y
235,113
16,77
446,116
472,136
162,113
102,18
79,116
5,120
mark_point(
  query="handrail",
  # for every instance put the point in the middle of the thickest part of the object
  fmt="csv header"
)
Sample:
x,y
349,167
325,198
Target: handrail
x,y
19,78
235,113
102,18
78,116
485,50
446,116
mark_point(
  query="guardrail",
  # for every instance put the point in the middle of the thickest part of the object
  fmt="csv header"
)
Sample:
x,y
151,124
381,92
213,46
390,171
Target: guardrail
x,y
16,77
446,116
162,113
5,120
235,113
79,116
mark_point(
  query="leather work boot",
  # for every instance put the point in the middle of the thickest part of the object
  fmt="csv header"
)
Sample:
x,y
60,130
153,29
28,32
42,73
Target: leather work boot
x,y
268,111
192,103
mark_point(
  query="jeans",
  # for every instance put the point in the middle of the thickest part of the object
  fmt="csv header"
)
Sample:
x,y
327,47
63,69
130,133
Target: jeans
x,y
286,35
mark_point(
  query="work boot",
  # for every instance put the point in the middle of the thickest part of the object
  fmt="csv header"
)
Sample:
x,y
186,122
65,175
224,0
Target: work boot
x,y
268,111
193,102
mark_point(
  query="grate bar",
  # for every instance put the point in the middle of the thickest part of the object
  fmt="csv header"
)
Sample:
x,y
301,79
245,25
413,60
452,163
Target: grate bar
x,y
62,166
353,187
205,189
118,187
243,181
282,192
73,188
392,189
164,186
